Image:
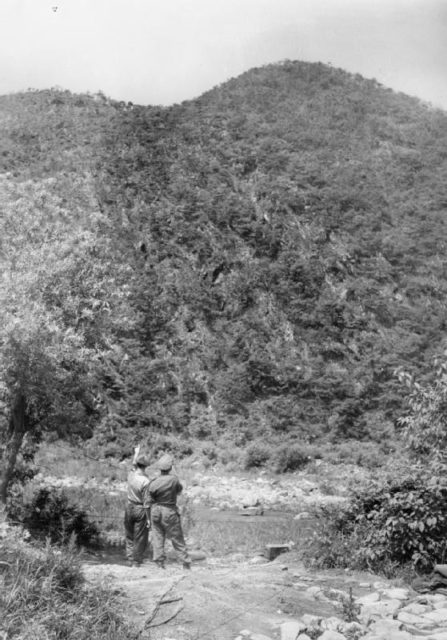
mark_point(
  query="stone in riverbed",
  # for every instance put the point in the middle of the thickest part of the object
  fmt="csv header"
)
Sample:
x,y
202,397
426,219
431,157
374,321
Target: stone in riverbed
x,y
291,629
416,621
368,599
332,624
315,592
386,626
415,608
352,629
438,615
258,560
396,593
311,620
380,609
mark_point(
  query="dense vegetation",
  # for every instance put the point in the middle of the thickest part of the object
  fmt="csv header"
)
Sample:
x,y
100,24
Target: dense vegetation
x,y
256,263
43,595
395,521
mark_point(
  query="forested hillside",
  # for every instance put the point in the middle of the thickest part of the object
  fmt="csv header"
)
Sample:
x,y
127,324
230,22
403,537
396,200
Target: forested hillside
x,y
255,263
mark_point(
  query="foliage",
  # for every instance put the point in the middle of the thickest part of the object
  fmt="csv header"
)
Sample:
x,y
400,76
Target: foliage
x,y
425,423
350,609
385,525
43,594
255,262
49,515
257,455
291,458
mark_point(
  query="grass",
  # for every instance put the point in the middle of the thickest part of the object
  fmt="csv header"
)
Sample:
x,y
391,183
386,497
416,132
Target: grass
x,y
43,596
244,535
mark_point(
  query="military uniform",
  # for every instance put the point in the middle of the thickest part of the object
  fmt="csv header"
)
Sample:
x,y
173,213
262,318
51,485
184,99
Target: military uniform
x,y
165,518
135,518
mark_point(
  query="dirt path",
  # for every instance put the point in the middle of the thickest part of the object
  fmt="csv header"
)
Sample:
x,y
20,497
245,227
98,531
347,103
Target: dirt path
x,y
217,600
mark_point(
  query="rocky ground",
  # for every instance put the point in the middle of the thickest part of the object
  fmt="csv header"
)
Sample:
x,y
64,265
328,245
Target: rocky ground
x,y
241,598
220,490
223,599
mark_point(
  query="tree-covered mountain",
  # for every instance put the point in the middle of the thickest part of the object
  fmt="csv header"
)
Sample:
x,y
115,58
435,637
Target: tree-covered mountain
x,y
257,262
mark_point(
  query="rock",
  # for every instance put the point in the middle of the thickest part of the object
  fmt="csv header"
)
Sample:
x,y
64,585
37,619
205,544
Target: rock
x,y
302,516
351,629
415,608
251,501
438,615
396,594
245,633
315,592
197,555
368,599
332,624
365,585
331,635
411,618
378,586
310,620
274,550
299,585
252,511
259,636
387,625
380,609
291,629
258,560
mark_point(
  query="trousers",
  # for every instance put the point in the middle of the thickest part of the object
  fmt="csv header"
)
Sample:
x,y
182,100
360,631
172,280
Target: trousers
x,y
135,525
166,524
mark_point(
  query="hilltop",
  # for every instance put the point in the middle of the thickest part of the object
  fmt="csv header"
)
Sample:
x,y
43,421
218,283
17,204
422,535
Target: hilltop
x,y
256,264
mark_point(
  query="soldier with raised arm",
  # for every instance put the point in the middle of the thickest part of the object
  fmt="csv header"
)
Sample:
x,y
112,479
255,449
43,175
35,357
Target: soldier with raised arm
x,y
137,513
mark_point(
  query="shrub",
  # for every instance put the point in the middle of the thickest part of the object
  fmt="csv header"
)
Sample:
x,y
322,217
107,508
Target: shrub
x,y
290,458
385,525
257,455
50,515
43,595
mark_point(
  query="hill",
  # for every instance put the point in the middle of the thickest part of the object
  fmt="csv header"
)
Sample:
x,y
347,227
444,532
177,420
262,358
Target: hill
x,y
259,261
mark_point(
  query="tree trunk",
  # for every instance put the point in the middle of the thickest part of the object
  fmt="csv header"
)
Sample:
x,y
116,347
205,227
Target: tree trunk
x,y
17,429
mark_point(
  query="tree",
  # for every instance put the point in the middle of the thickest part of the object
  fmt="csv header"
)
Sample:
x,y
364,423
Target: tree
x,y
425,425
64,305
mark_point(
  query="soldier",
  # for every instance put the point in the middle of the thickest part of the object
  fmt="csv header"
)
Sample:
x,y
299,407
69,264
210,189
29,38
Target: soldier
x,y
165,517
137,514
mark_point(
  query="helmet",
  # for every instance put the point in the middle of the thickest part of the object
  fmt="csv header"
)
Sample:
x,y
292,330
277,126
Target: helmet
x,y
165,463
142,461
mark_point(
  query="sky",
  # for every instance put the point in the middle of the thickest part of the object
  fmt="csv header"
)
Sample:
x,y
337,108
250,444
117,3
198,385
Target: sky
x,y
166,51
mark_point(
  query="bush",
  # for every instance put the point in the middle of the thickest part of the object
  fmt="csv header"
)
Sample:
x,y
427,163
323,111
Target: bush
x,y
257,455
385,525
43,595
291,458
50,515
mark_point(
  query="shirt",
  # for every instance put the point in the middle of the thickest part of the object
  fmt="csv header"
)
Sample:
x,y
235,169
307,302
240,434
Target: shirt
x,y
137,488
164,490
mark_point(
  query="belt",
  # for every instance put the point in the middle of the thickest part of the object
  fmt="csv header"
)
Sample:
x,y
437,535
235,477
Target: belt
x,y
166,504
